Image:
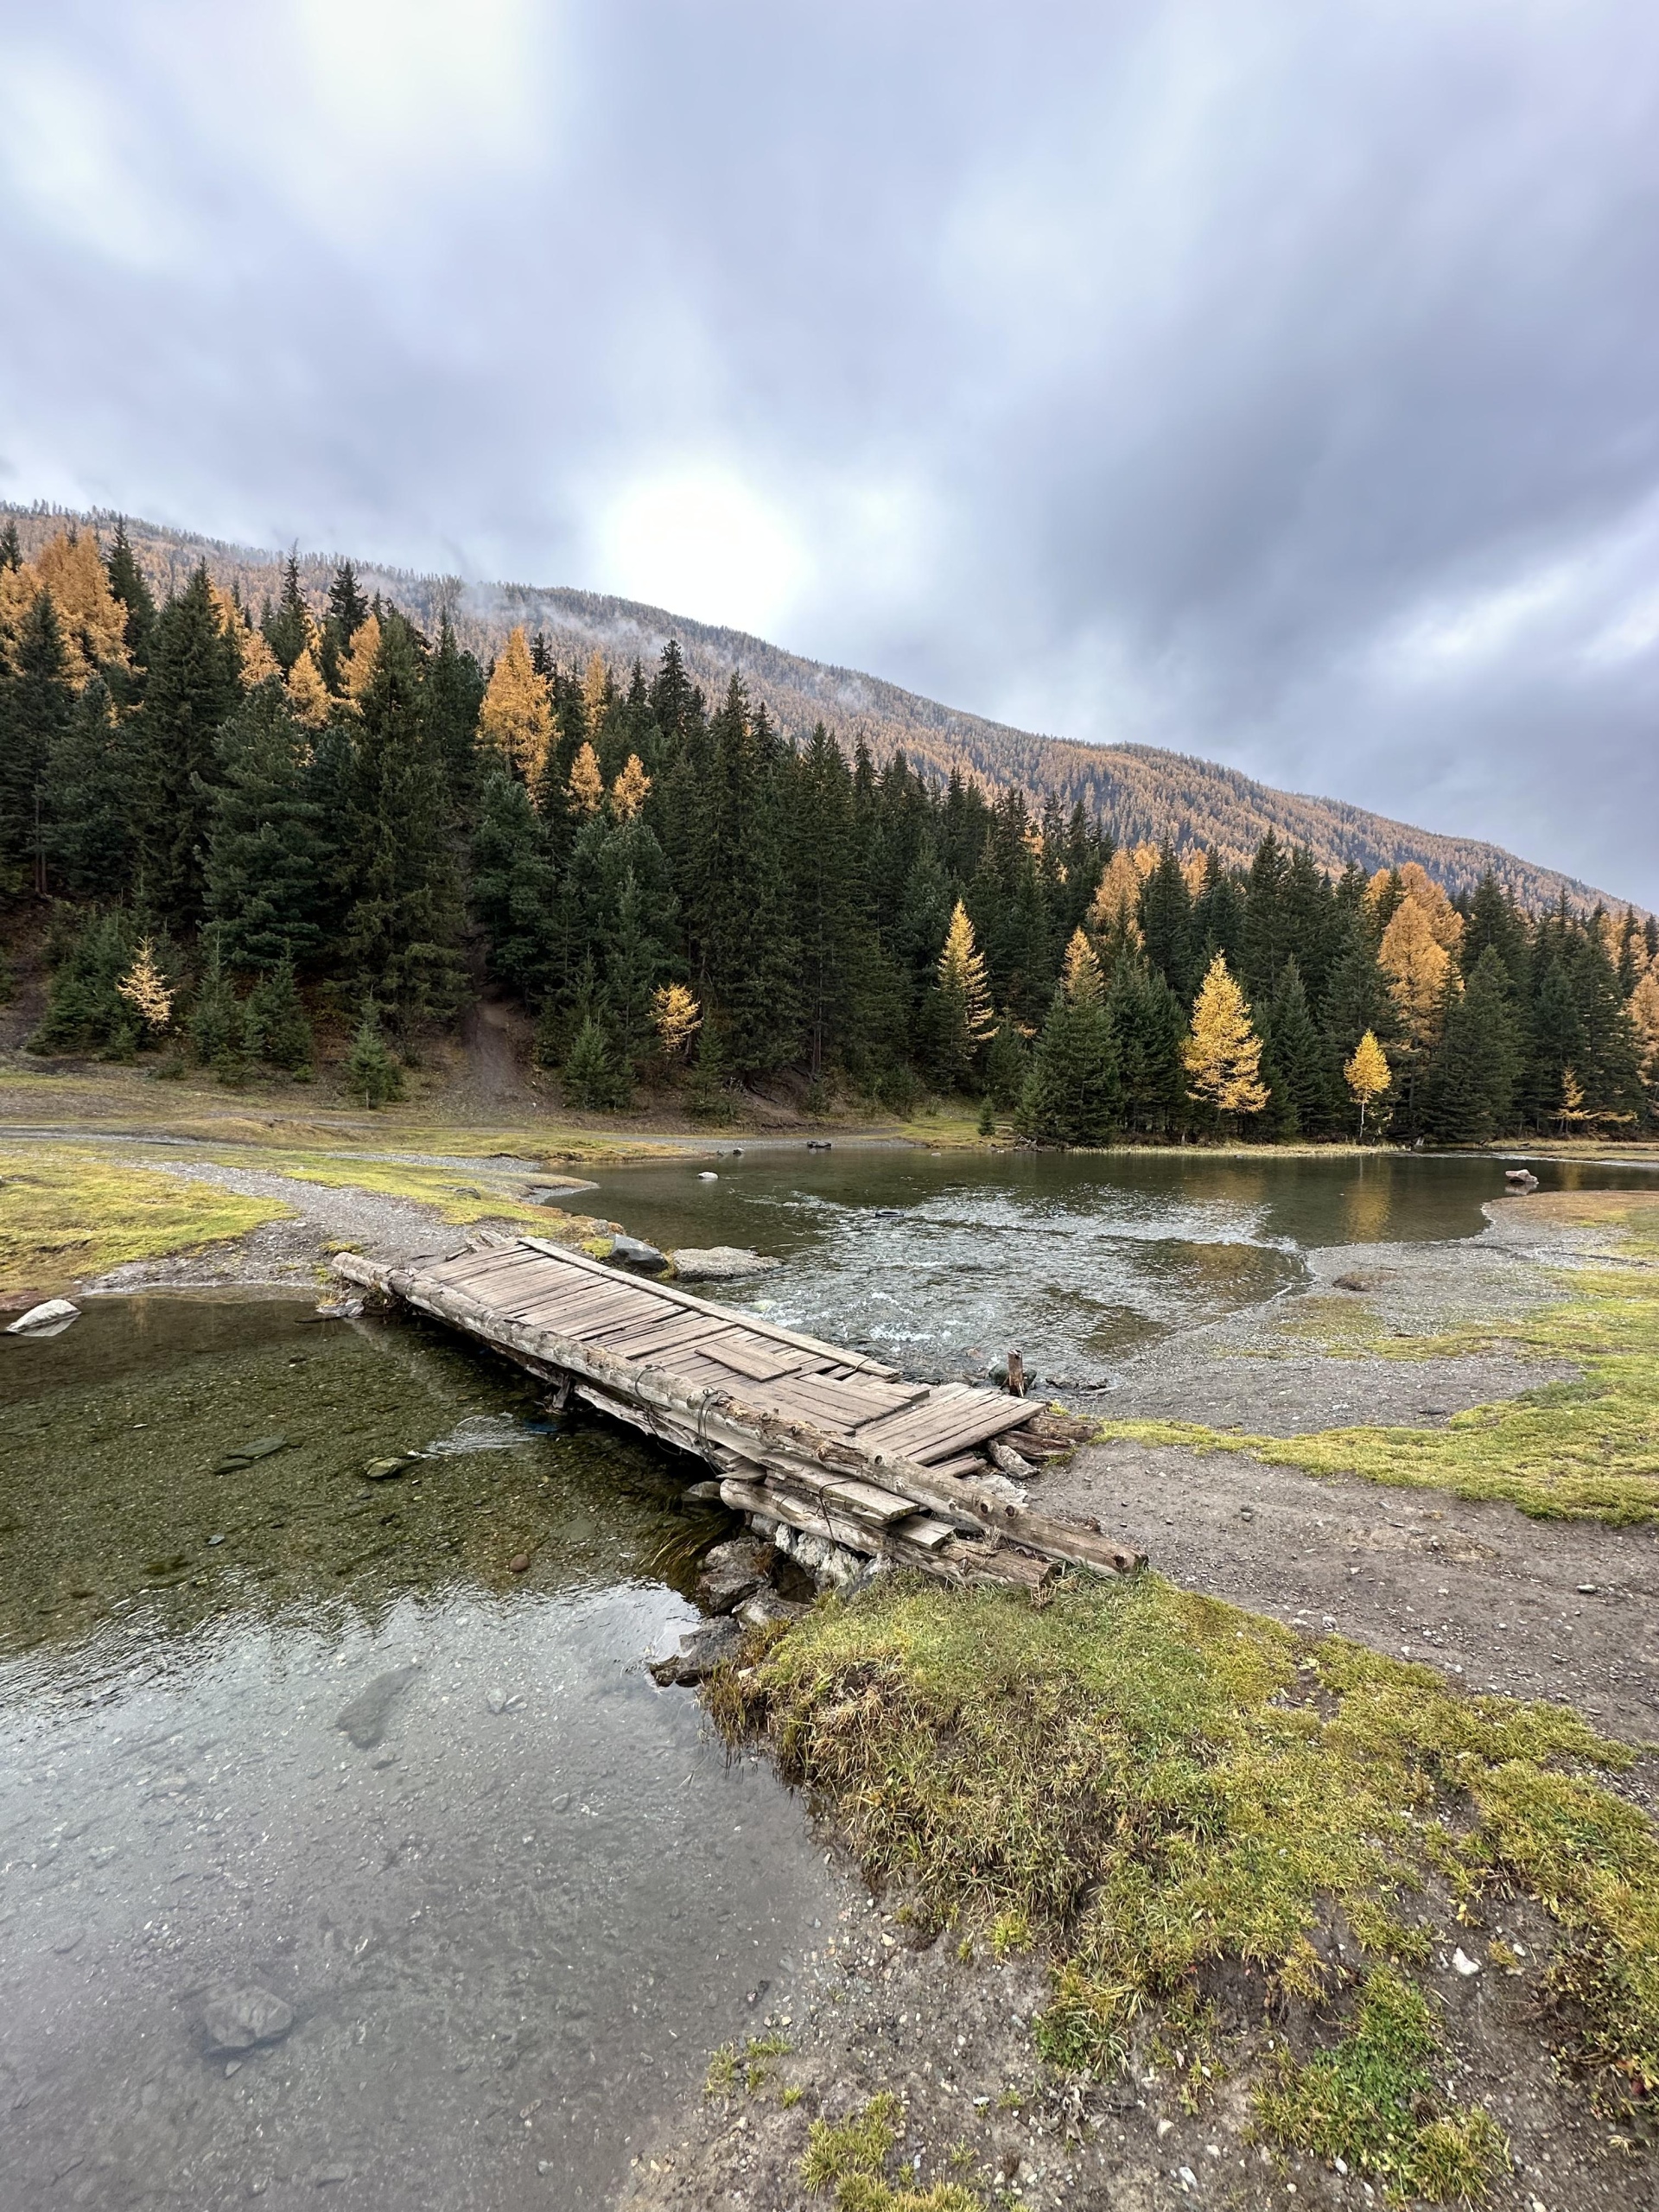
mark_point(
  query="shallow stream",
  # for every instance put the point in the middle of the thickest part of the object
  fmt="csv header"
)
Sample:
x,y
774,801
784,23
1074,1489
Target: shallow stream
x,y
268,1724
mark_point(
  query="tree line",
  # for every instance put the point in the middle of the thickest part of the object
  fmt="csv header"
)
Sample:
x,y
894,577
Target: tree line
x,y
242,824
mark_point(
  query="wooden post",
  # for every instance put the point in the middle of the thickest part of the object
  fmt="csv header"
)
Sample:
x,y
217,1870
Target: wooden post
x,y
1016,1375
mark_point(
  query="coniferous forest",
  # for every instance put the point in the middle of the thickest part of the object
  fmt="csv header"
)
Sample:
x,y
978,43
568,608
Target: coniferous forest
x,y
252,829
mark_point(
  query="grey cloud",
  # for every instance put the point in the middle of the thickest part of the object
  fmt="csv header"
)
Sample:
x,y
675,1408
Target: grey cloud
x,y
1272,381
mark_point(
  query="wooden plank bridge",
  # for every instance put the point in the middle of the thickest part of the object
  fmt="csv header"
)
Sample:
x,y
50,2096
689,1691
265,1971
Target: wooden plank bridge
x,y
802,1433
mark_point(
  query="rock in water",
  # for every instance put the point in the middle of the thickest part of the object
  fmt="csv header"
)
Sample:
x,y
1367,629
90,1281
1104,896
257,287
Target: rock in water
x,y
364,1719
732,1572
237,2019
714,1262
708,1175
634,1252
45,1320
699,1654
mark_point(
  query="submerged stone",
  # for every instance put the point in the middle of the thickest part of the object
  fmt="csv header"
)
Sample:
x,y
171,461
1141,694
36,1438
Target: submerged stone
x,y
45,1321
364,1719
239,2019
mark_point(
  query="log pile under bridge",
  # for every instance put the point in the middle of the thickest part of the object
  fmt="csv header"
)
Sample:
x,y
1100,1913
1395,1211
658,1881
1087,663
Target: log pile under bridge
x,y
802,1436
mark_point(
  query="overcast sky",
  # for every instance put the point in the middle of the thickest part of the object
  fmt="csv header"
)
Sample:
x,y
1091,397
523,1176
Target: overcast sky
x,y
1272,381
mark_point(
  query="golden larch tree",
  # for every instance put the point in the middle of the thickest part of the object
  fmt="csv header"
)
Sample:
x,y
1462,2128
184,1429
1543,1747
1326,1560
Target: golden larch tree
x,y
631,789
308,695
677,1017
1116,911
1367,1074
597,693
516,719
357,669
1084,983
1415,964
586,789
1223,1054
145,990
1645,1018
962,978
91,618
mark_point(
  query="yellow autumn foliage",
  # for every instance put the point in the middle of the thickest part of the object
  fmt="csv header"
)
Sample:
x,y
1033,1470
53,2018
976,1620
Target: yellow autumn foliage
x,y
586,789
357,669
595,693
308,695
629,791
92,619
1223,1054
963,977
1085,984
1415,964
1116,905
516,719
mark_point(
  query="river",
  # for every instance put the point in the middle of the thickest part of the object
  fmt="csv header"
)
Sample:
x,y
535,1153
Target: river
x,y
268,1724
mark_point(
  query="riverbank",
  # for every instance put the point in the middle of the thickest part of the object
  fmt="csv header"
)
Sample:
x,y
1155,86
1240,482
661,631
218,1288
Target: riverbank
x,y
1085,1829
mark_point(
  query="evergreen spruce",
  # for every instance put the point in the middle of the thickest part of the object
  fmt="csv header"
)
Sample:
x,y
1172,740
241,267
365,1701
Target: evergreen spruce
x,y
371,1075
269,854
35,710
404,923
1072,1095
287,627
192,687
216,1023
1470,1085
1302,1070
276,1029
590,1076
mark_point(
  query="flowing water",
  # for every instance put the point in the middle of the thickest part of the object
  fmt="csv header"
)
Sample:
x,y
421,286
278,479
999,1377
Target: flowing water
x,y
266,1725
941,1262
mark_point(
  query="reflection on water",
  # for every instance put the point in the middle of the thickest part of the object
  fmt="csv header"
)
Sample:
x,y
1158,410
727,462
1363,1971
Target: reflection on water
x,y
511,1904
940,1262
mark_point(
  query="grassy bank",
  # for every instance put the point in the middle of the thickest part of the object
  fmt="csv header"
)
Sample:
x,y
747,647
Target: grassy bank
x,y
68,1215
1194,1815
1584,1450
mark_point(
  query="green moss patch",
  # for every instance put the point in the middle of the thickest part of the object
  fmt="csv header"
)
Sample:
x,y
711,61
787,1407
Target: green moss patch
x,y
848,2161
68,1215
1190,1812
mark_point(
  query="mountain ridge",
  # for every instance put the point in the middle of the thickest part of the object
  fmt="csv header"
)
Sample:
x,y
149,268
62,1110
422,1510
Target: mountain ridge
x,y
1145,793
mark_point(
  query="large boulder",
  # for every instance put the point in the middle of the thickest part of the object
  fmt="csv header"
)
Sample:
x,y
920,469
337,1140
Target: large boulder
x,y
718,1262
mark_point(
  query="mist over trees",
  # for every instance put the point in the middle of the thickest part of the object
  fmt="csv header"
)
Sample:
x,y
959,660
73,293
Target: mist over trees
x,y
320,819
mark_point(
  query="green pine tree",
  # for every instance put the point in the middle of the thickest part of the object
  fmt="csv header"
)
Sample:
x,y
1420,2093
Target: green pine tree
x,y
276,1029
1007,1061
513,887
128,584
1148,1028
92,797
287,625
215,1025
371,1075
404,925
194,685
1299,1064
269,856
1073,1094
35,709
1469,1088
590,1076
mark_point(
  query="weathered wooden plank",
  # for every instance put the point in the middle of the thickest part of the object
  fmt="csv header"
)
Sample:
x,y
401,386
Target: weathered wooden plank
x,y
942,1435
710,1419
965,1463
673,1295
865,1501
925,1529
747,1355
660,1336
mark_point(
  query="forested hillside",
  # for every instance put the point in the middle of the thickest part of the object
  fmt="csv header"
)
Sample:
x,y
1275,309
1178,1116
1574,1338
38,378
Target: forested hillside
x,y
251,824
1141,794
